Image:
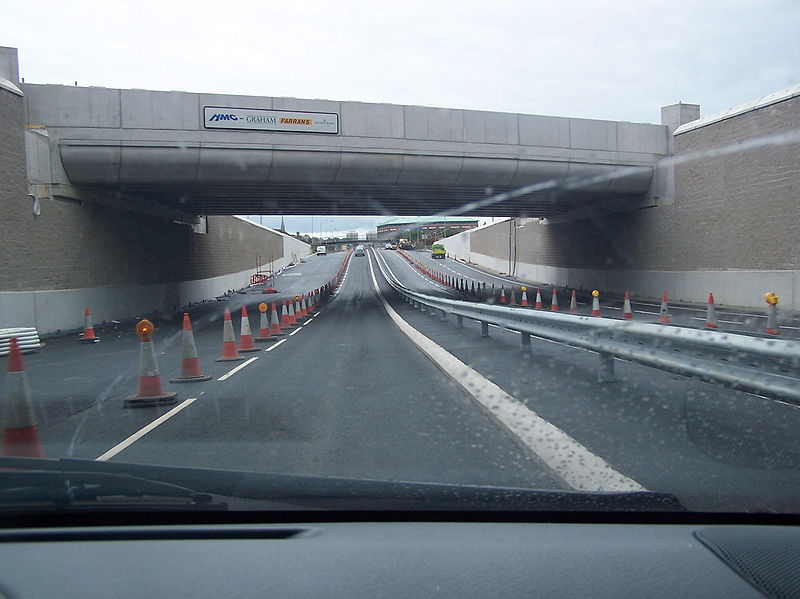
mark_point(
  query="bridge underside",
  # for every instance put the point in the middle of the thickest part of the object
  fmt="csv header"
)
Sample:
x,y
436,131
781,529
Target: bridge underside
x,y
366,199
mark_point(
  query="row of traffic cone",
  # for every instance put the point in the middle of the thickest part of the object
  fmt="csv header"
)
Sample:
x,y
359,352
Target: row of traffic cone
x,y
627,312
150,391
20,434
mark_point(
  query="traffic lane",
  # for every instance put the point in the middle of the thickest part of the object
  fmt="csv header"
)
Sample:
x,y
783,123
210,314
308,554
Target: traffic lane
x,y
311,273
348,395
730,319
415,280
717,449
72,382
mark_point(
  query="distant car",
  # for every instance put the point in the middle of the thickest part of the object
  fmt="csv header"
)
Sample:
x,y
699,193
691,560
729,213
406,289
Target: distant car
x,y
360,250
321,250
387,246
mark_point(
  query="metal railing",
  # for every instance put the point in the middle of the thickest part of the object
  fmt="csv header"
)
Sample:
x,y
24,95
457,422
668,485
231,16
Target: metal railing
x,y
27,338
769,367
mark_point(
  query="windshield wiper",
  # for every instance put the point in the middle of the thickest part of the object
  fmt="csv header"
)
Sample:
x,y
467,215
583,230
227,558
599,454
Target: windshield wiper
x,y
103,479
60,489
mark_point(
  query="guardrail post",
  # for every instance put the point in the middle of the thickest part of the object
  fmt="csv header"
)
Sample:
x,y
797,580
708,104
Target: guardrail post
x,y
443,315
459,321
606,373
526,341
484,329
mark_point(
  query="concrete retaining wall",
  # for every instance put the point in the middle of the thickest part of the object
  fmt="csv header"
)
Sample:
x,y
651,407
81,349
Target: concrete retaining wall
x,y
734,287
56,310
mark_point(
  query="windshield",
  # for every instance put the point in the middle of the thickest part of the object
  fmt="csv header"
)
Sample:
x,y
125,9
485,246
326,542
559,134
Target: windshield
x,y
434,256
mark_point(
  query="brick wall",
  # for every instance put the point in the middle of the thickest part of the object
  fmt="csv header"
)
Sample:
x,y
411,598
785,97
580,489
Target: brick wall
x,y
13,178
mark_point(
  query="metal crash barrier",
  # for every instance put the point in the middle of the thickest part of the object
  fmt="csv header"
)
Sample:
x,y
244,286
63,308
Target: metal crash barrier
x,y
768,367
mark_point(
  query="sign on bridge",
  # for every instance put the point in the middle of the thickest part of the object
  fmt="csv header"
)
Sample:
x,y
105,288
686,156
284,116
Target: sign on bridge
x,y
258,119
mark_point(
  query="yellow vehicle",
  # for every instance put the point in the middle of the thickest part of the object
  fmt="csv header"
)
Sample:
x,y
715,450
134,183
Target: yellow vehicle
x,y
438,251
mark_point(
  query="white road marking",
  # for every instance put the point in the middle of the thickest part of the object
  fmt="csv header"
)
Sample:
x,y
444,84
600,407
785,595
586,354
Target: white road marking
x,y
141,433
271,347
294,332
233,371
567,459
718,320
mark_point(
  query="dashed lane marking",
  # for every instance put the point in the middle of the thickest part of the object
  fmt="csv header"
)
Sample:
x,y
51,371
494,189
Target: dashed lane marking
x,y
271,347
142,432
718,320
233,371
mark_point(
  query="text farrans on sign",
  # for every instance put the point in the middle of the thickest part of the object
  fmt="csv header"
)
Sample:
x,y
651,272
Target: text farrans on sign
x,y
257,119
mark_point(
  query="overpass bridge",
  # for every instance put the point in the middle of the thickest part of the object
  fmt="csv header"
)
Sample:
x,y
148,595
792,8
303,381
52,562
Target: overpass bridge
x,y
193,153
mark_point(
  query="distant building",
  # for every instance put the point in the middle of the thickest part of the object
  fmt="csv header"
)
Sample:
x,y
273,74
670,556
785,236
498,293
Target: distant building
x,y
428,224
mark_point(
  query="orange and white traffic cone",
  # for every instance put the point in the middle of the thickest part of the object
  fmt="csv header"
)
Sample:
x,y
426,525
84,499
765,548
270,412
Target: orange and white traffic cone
x,y
275,324
772,313
310,302
292,315
554,301
663,314
150,391
524,300
88,330
229,351
513,299
20,436
595,302
245,334
263,324
538,304
627,312
711,313
573,302
298,308
190,364
502,294
286,322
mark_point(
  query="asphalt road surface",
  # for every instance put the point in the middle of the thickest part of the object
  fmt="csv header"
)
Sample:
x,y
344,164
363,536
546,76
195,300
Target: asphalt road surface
x,y
349,394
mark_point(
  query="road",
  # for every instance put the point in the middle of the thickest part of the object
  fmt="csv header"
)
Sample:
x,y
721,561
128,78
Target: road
x,y
349,394
730,319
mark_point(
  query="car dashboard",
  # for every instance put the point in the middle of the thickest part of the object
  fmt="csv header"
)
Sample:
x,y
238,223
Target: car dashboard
x,y
356,559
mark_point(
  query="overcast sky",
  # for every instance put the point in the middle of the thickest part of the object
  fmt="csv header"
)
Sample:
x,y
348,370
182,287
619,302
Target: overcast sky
x,y
604,59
